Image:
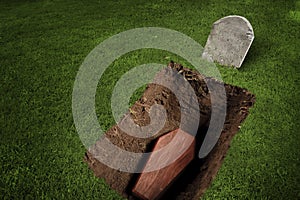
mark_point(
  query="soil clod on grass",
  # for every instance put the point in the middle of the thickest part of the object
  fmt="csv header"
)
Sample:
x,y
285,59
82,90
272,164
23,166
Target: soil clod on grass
x,y
198,175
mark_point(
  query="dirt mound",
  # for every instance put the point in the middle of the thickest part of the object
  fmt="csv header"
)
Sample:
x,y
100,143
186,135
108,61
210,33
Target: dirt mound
x,y
199,174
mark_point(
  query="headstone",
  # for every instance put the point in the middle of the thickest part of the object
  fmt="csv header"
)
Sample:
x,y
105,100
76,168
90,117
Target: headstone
x,y
229,41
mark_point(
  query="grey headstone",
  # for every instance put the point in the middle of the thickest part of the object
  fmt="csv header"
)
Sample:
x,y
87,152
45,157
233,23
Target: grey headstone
x,y
229,41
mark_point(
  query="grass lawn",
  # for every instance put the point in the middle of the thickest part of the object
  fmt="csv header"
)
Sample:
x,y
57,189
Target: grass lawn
x,y
43,43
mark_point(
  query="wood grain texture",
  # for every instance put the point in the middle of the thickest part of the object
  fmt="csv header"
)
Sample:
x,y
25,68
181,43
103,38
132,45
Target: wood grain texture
x,y
177,148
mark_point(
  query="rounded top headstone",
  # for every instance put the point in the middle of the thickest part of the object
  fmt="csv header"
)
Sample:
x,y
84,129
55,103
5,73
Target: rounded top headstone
x,y
229,41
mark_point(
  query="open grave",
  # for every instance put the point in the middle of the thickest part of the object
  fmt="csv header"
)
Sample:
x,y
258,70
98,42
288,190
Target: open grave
x,y
197,176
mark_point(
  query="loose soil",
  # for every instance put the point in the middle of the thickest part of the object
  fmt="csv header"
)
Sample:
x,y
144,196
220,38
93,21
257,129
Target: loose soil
x,y
198,175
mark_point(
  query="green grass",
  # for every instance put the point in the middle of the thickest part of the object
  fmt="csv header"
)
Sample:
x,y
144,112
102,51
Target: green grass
x,y
43,43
